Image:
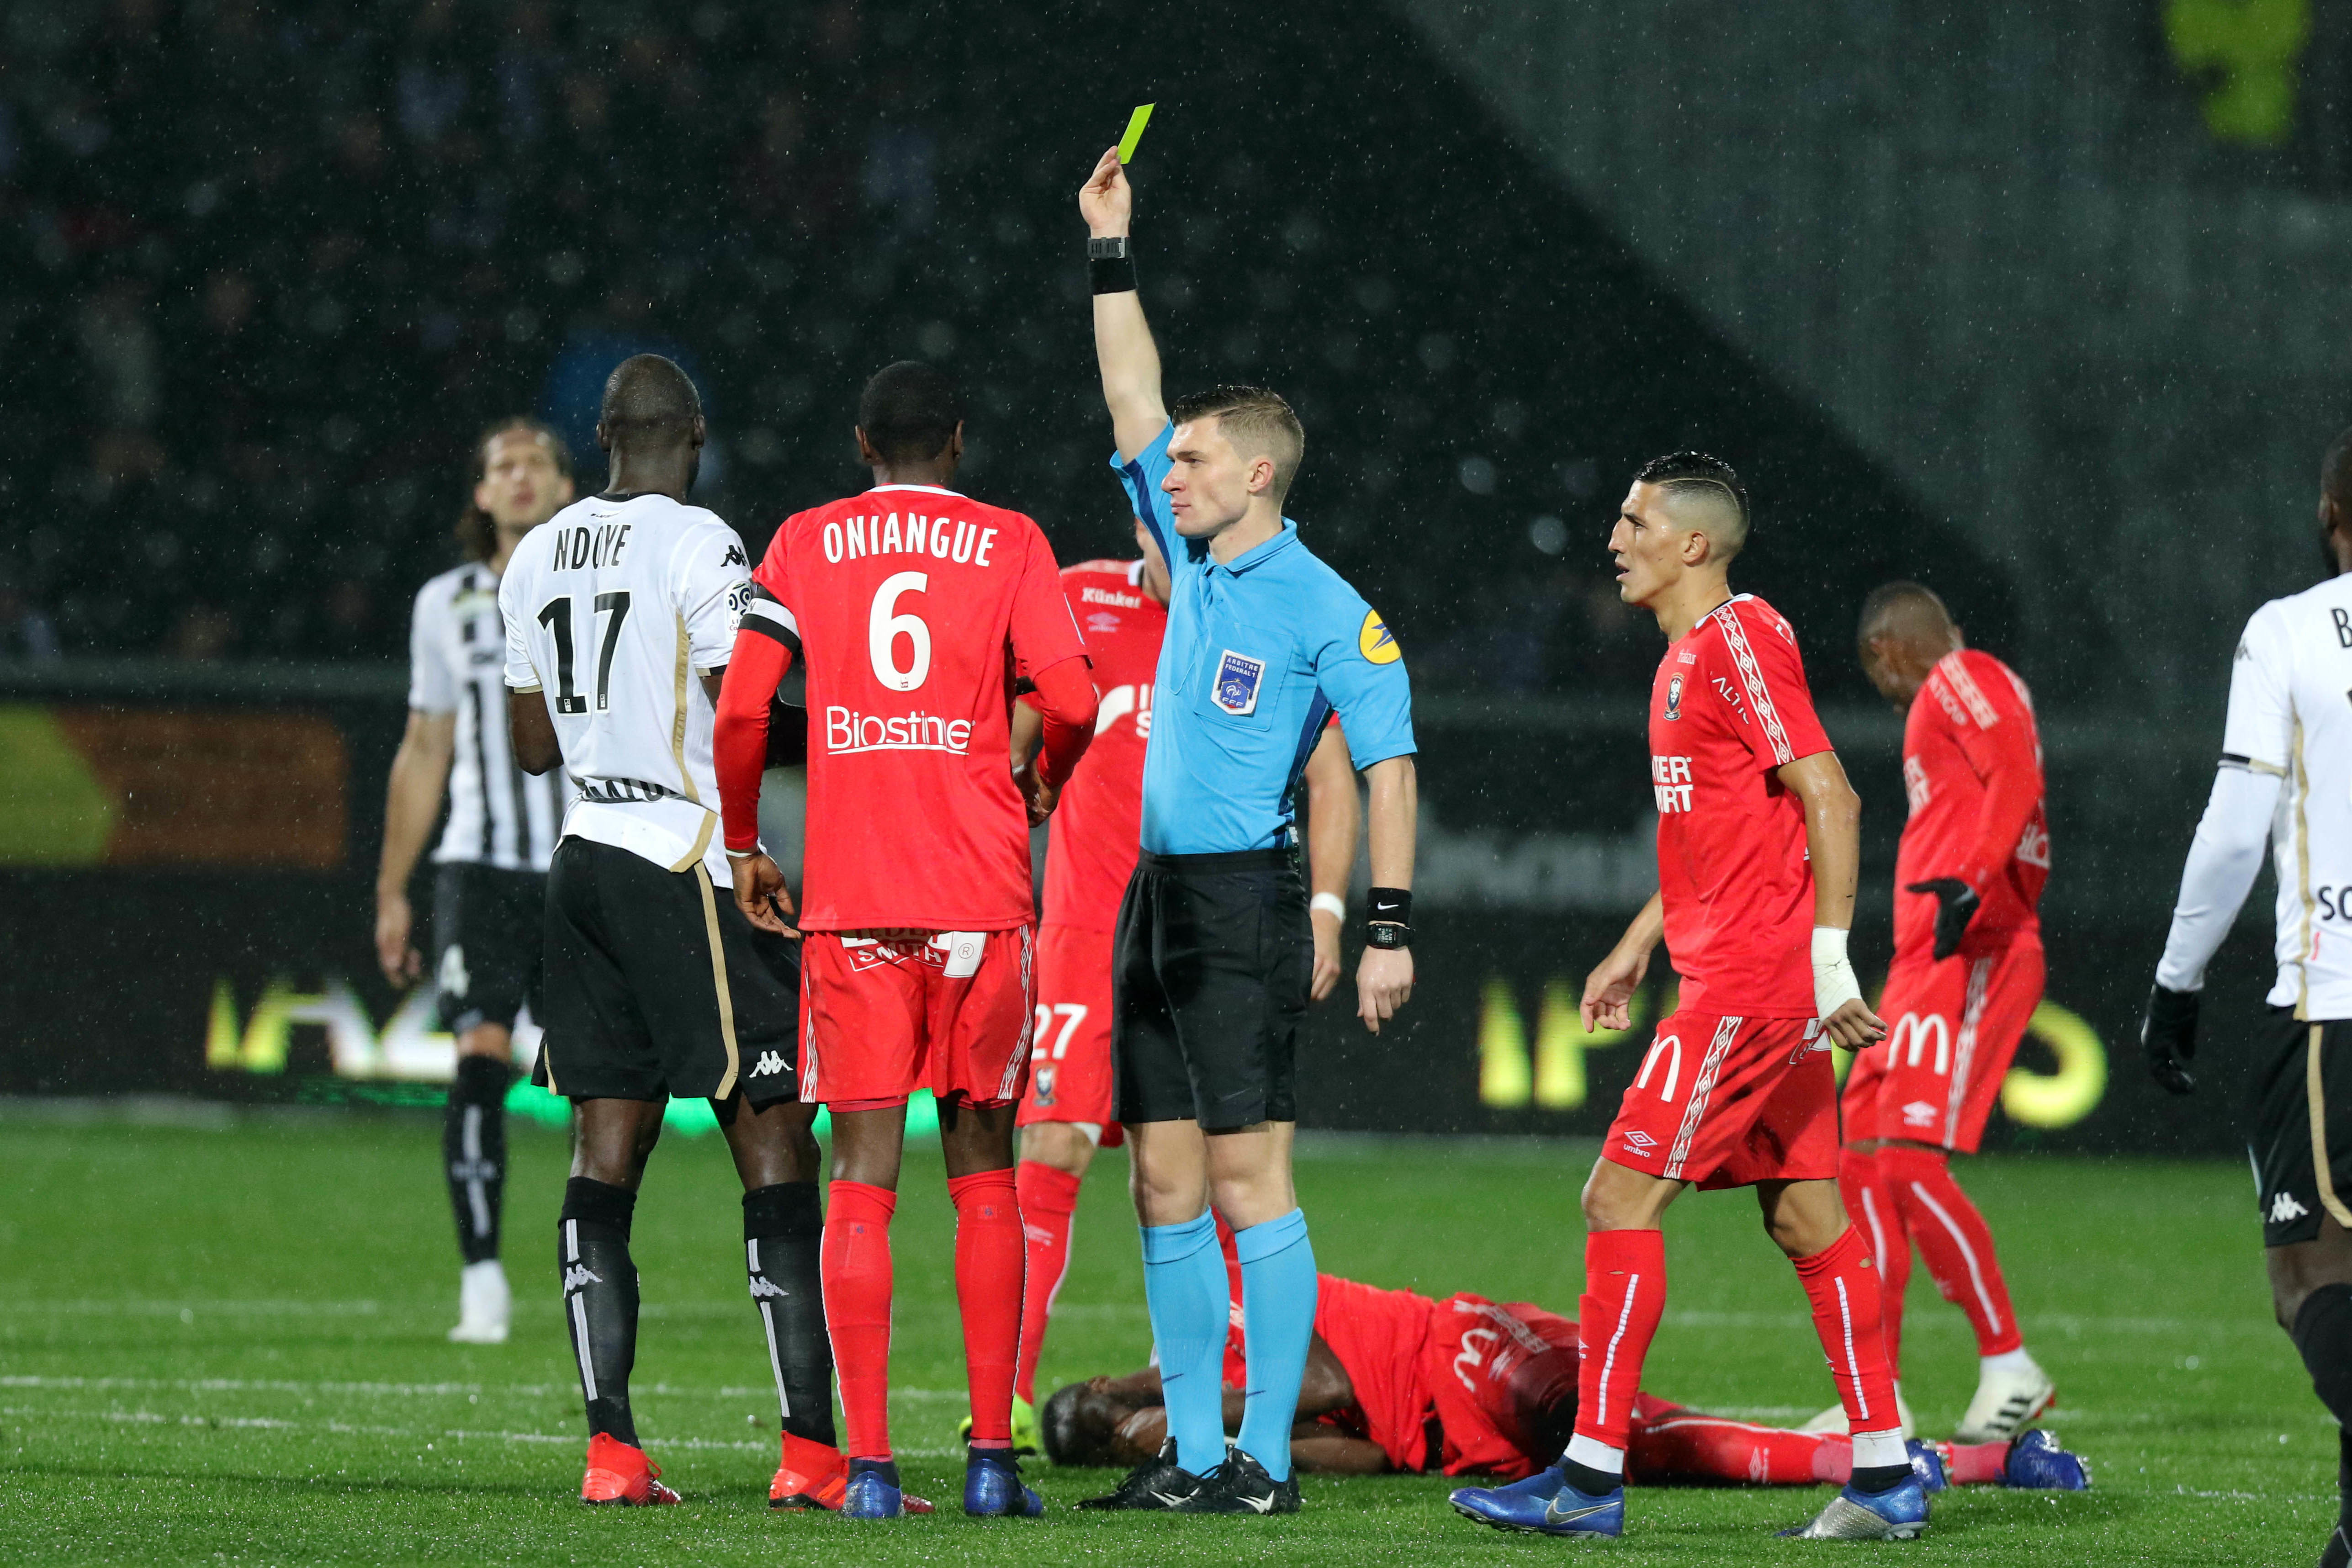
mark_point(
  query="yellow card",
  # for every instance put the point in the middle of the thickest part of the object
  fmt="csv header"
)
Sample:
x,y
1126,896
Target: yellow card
x,y
1135,124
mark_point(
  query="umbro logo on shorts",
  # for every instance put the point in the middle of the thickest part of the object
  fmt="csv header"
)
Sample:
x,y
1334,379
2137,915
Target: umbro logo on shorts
x,y
1641,1140
578,1278
1919,1113
2283,1208
769,1062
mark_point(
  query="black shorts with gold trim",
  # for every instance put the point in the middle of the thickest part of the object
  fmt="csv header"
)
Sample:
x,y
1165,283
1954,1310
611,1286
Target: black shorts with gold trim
x,y
2302,1139
657,987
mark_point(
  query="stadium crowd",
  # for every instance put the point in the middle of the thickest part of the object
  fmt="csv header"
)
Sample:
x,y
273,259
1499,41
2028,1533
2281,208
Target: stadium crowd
x,y
267,265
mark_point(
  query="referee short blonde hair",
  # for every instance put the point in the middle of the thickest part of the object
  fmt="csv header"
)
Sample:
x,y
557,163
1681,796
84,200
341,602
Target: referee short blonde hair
x,y
1257,422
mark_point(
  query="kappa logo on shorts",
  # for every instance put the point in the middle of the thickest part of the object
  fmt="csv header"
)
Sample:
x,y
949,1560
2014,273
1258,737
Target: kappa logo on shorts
x,y
1640,1142
452,977
1238,678
771,1062
2283,1208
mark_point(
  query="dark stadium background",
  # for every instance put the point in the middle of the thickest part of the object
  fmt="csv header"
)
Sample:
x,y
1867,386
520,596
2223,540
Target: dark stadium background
x,y
267,265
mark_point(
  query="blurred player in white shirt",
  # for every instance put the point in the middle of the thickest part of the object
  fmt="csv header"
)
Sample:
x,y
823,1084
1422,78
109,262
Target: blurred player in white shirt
x,y
490,883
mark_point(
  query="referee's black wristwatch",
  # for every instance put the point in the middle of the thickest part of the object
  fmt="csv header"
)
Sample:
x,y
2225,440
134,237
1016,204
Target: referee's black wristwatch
x,y
1110,264
1388,919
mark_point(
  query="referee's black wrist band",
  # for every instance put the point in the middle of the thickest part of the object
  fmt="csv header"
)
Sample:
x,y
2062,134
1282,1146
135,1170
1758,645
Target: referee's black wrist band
x,y
1110,265
1391,904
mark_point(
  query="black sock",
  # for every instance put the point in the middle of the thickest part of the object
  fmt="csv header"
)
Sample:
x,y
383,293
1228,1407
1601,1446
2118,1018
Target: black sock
x,y
2323,1333
474,1152
600,1298
1870,1479
783,1231
1588,1480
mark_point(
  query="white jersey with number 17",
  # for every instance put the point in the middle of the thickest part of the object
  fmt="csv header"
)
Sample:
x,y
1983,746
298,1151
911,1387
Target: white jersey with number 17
x,y
613,610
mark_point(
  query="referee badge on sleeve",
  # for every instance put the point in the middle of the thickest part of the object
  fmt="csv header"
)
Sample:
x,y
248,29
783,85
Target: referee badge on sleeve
x,y
1375,641
1238,678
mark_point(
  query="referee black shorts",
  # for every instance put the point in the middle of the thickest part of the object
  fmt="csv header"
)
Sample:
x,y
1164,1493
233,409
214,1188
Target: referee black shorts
x,y
1207,983
2302,1138
657,987
487,932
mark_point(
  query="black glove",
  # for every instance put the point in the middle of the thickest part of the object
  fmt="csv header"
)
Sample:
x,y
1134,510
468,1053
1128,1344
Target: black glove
x,y
2168,1035
1956,905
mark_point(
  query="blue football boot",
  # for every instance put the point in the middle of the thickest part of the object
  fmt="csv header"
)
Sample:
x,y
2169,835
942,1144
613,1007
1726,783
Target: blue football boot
x,y
1543,1504
1898,1513
1927,1464
873,1491
2035,1459
993,1489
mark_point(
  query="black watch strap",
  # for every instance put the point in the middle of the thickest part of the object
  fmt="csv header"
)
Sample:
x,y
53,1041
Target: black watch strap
x,y
1111,247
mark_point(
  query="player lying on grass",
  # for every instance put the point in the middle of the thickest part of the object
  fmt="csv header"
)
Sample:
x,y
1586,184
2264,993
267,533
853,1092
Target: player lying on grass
x,y
1399,1382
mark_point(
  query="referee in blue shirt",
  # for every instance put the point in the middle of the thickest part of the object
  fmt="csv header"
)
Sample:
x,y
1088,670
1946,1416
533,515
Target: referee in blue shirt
x,y
1214,949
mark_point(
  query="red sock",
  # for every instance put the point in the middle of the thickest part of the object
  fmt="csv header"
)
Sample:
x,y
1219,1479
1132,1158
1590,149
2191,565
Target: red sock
x,y
1690,1447
1954,1242
1842,1286
988,1276
856,1269
1624,1297
1048,1199
1976,1463
1870,1204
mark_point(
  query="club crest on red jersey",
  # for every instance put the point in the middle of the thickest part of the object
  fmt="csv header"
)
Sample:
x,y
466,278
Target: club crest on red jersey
x,y
1675,696
1238,679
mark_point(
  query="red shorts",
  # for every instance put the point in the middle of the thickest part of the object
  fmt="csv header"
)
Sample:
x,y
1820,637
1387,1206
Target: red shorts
x,y
880,1020
1952,1029
1069,1069
1729,1102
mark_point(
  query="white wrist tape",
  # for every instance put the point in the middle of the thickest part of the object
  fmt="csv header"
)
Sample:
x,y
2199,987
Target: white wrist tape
x,y
1833,982
1331,904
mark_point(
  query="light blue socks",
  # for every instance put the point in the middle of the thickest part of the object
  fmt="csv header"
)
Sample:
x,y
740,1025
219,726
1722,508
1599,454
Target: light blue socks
x,y
1184,1287
1278,1320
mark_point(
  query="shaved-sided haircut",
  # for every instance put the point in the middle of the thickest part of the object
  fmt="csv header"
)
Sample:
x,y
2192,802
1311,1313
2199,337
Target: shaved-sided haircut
x,y
1700,486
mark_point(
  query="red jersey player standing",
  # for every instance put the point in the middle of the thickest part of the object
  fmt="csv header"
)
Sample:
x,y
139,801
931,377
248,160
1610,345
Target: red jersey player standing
x,y
1758,845
915,610
1965,979
1122,607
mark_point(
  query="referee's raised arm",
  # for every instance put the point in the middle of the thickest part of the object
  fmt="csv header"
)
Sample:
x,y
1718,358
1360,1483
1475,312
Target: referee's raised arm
x,y
1129,359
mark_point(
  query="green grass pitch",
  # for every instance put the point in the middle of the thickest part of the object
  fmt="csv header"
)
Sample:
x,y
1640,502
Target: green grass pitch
x,y
225,1344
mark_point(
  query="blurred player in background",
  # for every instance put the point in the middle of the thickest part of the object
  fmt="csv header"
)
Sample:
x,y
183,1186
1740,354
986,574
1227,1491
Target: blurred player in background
x,y
915,611
1122,609
620,617
1215,947
2286,777
1759,847
1399,1382
489,882
1965,979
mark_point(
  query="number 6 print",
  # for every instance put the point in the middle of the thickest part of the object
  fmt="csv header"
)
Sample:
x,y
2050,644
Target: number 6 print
x,y
884,627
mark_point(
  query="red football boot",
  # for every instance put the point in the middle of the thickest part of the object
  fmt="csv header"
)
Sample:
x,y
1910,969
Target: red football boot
x,y
618,1474
812,1474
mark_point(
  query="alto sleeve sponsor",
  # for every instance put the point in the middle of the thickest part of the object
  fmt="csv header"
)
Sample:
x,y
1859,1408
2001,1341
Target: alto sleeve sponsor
x,y
523,674
2261,725
432,685
714,591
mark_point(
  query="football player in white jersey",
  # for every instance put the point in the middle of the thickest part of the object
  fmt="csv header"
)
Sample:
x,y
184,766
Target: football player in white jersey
x,y
489,880
2286,777
620,617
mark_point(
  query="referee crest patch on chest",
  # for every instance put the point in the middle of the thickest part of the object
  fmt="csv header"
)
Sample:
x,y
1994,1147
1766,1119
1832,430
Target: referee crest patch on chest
x,y
1238,679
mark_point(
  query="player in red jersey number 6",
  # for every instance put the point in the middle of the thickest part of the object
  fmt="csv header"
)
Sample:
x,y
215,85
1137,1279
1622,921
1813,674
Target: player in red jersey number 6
x,y
915,611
